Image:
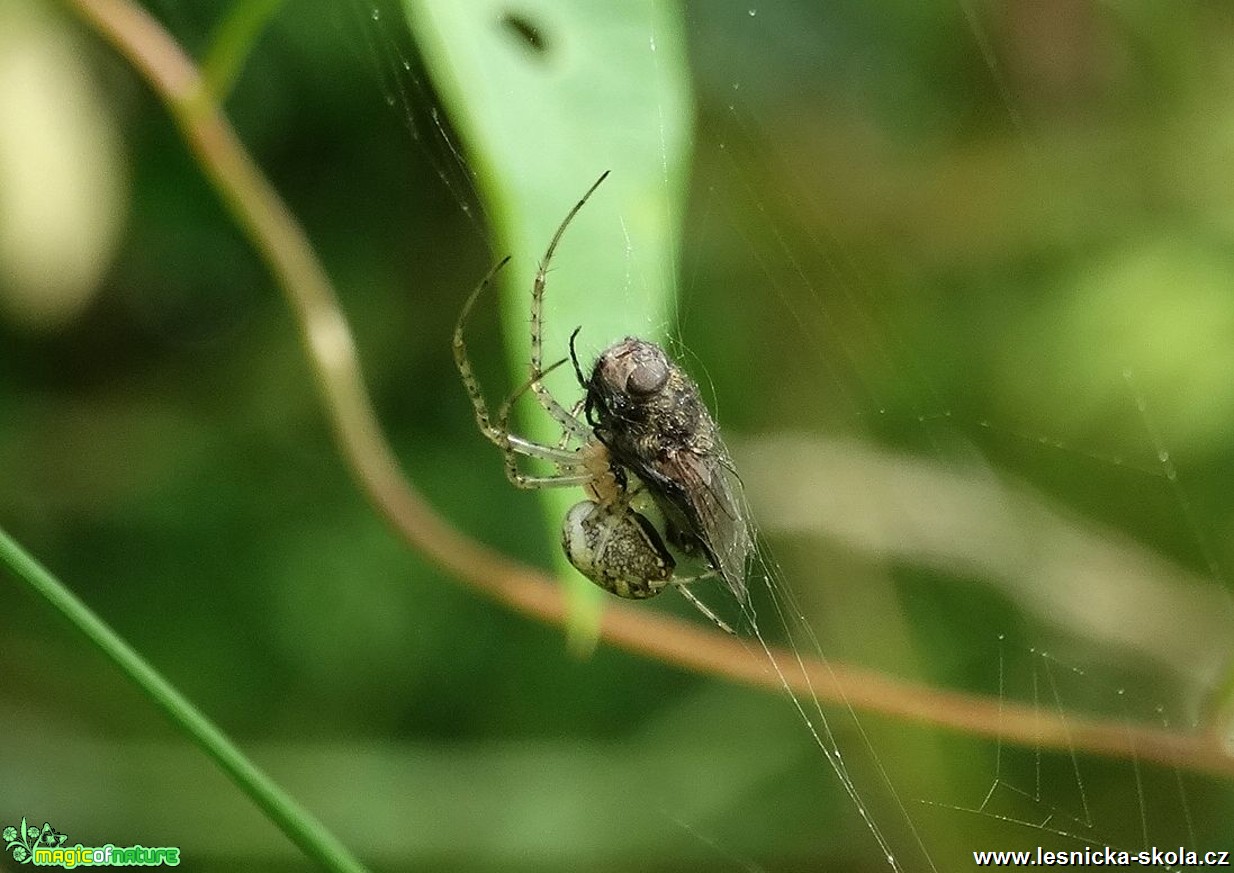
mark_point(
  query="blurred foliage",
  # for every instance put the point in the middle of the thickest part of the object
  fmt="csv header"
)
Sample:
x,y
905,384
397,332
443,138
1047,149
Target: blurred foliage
x,y
1021,269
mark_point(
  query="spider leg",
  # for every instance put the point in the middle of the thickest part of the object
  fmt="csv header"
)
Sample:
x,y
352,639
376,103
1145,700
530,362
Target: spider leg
x,y
683,583
546,399
463,361
557,453
568,461
575,411
683,587
522,480
509,443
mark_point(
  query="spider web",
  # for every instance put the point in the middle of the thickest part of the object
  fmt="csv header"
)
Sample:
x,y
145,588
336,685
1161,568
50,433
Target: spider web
x,y
1105,484
1084,804
824,290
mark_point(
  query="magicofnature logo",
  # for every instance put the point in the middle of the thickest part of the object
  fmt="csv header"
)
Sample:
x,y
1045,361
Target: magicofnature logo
x,y
45,847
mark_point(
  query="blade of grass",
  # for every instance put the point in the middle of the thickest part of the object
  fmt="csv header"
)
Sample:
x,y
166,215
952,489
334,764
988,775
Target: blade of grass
x,y
296,822
232,41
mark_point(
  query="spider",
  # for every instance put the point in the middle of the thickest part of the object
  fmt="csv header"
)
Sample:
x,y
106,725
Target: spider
x,y
644,436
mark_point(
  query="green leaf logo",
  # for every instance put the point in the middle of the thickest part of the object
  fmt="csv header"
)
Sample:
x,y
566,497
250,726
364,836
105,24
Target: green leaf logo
x,y
20,840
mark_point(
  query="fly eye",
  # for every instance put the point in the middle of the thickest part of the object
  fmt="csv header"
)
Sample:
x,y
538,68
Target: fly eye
x,y
647,378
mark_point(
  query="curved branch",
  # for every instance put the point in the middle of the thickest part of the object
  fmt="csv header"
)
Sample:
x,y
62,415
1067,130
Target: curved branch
x,y
275,232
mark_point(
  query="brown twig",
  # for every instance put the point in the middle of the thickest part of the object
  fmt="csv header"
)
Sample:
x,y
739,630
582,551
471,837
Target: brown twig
x,y
332,354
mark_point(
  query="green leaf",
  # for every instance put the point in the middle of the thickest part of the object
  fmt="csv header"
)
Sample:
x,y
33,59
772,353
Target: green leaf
x,y
546,98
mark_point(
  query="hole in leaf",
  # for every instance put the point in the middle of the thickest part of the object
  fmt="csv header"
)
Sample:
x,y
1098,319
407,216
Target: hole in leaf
x,y
526,32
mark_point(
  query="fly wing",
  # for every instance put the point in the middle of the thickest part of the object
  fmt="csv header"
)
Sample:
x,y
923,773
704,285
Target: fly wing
x,y
706,495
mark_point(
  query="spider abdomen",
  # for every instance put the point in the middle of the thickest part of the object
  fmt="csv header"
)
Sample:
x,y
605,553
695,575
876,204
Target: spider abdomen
x,y
620,551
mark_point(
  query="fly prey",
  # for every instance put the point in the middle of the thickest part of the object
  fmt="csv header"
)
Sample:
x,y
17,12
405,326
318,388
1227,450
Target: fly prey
x,y
641,437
